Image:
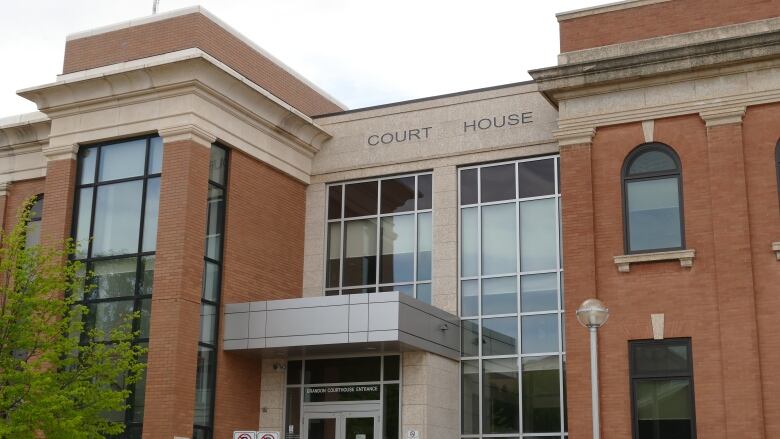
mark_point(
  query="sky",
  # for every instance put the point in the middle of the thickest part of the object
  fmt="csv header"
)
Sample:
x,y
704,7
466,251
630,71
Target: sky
x,y
362,52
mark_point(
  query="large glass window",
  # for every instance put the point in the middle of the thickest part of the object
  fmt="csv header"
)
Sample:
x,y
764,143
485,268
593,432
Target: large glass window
x,y
117,200
511,303
662,389
652,200
379,236
206,375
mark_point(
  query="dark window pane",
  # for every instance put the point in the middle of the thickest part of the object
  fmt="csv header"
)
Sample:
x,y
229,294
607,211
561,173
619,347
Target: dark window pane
x,y
343,370
360,199
539,292
122,160
652,161
424,246
334,202
216,215
499,295
469,397
204,385
117,219
540,333
334,255
499,336
359,252
469,298
403,289
155,155
87,157
468,186
208,323
397,263
665,358
36,210
392,367
424,191
536,178
469,338
322,428
391,413
664,409
541,395
114,278
398,195
424,293
211,281
500,396
218,165
359,290
292,413
294,372
359,427
653,208
497,183
152,210
83,222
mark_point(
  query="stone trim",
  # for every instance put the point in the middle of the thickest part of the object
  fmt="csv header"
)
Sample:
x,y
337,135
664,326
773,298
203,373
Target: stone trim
x,y
776,249
685,257
723,116
189,133
61,152
5,186
576,136
603,9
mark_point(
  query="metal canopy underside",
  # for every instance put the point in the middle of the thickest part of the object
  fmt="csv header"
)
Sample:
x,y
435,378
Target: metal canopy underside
x,y
349,324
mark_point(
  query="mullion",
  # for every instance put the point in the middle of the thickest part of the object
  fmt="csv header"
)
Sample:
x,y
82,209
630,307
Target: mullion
x,y
123,256
118,180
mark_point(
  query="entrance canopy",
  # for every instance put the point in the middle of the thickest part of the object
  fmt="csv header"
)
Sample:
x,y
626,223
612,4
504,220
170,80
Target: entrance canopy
x,y
344,324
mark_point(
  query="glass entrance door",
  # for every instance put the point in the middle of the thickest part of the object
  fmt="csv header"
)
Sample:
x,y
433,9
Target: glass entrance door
x,y
342,426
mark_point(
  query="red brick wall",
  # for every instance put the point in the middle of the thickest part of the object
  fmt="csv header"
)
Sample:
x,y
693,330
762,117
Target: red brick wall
x,y
18,193
175,320
188,31
59,190
263,260
667,18
728,390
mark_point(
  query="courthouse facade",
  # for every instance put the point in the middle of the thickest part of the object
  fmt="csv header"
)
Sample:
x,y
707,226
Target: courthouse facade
x,y
415,267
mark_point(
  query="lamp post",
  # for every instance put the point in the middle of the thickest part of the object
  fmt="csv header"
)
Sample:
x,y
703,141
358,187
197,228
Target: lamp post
x,y
592,314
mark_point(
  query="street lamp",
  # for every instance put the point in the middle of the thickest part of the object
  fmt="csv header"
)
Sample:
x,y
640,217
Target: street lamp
x,y
592,314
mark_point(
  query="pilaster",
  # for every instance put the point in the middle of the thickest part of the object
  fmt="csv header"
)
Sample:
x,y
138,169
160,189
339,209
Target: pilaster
x,y
59,189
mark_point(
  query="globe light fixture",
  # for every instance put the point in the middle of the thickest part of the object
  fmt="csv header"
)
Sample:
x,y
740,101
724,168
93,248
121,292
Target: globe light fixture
x,y
592,314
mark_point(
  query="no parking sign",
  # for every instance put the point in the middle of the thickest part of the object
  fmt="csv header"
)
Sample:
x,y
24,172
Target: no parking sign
x,y
267,435
244,435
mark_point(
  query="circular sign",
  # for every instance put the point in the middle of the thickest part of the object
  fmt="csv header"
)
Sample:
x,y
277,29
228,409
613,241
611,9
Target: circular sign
x,y
244,436
268,436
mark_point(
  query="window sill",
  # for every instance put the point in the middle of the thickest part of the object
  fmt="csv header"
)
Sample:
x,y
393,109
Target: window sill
x,y
685,257
776,249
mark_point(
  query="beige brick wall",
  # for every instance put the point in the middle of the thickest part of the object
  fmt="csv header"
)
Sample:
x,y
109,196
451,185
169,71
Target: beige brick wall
x,y
430,395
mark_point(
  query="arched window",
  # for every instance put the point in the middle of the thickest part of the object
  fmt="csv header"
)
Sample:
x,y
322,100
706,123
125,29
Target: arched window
x,y
33,234
652,200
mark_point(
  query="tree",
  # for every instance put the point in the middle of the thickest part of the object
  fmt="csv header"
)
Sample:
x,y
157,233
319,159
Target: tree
x,y
58,379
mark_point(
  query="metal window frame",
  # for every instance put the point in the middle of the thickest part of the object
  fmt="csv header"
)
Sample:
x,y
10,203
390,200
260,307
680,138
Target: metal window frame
x,y
627,178
634,378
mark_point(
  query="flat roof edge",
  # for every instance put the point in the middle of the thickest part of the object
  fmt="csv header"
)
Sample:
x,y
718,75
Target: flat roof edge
x,y
602,9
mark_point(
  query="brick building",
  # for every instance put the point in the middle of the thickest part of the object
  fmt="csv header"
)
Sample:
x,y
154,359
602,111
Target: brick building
x,y
321,272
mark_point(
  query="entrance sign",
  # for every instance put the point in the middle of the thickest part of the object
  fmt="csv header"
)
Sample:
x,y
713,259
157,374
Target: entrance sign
x,y
244,435
267,435
366,392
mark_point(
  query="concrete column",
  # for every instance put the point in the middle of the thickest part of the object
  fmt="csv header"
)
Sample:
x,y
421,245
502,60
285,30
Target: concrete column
x,y
272,388
445,239
314,244
734,274
579,255
175,319
429,395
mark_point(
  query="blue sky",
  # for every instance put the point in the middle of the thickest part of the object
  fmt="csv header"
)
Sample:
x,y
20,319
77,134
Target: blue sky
x,y
363,52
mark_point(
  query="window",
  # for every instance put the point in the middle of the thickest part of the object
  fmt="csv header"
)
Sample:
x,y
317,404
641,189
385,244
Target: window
x,y
662,389
117,200
379,236
205,379
33,233
513,355
652,200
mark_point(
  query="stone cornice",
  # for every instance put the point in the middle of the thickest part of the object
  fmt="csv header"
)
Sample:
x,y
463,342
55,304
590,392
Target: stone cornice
x,y
4,187
60,152
723,116
578,136
190,133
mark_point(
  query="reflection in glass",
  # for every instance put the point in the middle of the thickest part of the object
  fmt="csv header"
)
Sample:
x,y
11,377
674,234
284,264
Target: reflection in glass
x,y
155,155
536,178
539,333
539,292
469,299
214,219
117,218
407,289
87,158
107,316
208,323
424,246
469,397
499,239
499,295
397,263
292,413
469,339
211,281
152,209
469,242
499,336
424,293
538,240
664,408
652,161
122,160
334,255
82,224
541,395
145,318
398,195
497,183
424,191
500,396
655,358
359,252
114,277
218,165
654,214
360,199
204,386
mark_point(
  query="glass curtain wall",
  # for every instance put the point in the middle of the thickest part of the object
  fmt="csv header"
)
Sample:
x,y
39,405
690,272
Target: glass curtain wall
x,y
511,304
205,380
115,227
379,236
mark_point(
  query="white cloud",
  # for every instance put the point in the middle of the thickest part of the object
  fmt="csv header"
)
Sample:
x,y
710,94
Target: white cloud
x,y
362,52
